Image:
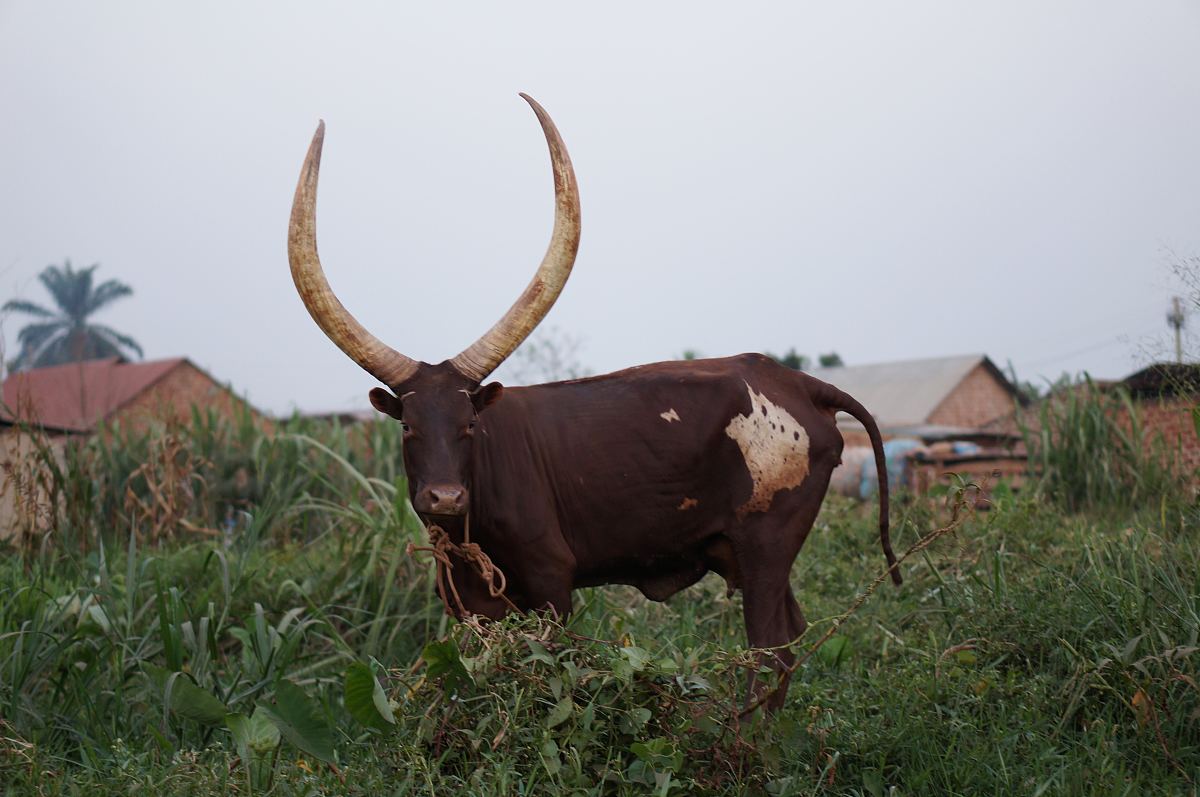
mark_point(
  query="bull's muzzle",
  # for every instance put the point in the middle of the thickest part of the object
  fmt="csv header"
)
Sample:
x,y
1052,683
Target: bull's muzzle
x,y
442,499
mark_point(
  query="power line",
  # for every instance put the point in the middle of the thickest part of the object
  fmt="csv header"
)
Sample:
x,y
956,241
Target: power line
x,y
1122,338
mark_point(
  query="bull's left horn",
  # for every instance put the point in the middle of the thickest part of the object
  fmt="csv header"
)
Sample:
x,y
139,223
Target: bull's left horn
x,y
486,354
381,361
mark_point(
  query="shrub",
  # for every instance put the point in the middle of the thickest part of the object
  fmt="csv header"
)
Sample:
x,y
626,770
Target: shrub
x,y
1092,452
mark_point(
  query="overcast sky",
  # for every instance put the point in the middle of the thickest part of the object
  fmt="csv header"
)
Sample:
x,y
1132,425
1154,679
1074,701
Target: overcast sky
x,y
888,181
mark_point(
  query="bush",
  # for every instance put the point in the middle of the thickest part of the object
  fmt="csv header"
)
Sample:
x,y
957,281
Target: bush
x,y
1092,452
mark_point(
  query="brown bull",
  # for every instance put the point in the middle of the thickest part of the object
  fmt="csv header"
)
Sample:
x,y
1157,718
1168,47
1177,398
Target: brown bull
x,y
651,476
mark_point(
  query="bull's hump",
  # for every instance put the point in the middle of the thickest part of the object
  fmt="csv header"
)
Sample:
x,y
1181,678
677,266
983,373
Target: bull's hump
x,y
775,448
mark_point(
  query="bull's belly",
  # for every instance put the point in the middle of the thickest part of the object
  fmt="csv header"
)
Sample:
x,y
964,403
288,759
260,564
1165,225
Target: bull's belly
x,y
660,568
657,581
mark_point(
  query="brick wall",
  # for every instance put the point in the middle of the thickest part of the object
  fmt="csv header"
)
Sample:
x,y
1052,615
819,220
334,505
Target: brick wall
x,y
1171,418
1167,419
979,398
25,503
172,397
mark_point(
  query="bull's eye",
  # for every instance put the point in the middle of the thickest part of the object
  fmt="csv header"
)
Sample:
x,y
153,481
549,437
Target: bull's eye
x,y
470,427
405,427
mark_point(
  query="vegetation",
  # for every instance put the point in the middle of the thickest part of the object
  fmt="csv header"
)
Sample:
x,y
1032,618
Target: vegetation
x,y
548,355
801,362
793,359
214,609
1092,452
66,333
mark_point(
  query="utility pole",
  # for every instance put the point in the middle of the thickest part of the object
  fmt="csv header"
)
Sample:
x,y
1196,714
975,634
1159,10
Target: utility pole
x,y
1176,319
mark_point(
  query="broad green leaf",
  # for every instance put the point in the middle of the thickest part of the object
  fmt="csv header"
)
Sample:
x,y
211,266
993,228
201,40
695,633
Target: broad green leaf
x,y
561,712
185,698
365,698
257,739
659,753
634,720
443,658
255,736
873,782
637,657
537,652
550,758
299,719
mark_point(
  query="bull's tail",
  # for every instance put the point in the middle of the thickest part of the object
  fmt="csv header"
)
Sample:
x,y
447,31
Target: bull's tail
x,y
843,401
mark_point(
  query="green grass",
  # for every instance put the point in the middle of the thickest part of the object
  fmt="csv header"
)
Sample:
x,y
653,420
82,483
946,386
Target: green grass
x,y
1033,651
1092,450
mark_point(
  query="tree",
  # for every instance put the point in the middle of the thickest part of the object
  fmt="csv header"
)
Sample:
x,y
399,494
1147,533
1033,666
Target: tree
x,y
831,360
548,355
793,359
65,334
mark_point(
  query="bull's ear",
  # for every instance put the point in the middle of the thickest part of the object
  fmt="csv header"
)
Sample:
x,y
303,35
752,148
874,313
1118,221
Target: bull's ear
x,y
487,395
385,402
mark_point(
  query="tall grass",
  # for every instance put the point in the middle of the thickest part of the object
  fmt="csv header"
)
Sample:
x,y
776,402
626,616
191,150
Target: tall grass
x,y
142,628
209,476
283,642
1092,450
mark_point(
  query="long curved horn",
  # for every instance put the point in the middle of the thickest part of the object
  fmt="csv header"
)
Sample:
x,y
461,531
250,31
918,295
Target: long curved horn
x,y
381,361
485,354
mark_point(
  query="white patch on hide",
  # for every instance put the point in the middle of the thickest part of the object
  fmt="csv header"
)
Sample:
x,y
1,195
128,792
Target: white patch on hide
x,y
669,415
686,504
775,447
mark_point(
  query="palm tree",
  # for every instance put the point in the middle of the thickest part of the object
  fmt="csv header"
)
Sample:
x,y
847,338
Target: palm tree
x,y
65,335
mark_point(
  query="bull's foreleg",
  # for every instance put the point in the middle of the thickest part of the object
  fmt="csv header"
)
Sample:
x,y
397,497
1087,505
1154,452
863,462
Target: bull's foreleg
x,y
546,574
553,597
463,584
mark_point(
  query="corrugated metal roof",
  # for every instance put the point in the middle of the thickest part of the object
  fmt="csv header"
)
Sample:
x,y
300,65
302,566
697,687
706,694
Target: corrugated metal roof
x,y
903,393
77,396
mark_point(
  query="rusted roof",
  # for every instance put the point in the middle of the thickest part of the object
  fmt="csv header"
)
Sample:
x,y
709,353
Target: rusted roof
x,y
78,396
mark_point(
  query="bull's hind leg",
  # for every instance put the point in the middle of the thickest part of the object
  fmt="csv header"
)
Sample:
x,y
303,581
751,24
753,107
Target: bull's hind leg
x,y
766,546
769,610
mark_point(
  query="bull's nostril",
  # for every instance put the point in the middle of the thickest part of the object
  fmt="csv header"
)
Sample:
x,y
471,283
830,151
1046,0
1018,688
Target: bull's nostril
x,y
444,499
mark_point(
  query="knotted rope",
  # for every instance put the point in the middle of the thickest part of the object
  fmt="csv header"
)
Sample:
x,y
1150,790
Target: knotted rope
x,y
441,547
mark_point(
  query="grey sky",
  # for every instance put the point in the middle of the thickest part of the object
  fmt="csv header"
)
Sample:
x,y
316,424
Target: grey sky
x,y
887,180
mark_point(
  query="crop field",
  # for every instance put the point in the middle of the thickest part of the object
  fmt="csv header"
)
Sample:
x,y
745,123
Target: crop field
x,y
214,609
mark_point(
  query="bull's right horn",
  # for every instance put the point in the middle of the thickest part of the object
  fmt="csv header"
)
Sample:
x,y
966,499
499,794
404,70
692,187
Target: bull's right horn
x,y
381,361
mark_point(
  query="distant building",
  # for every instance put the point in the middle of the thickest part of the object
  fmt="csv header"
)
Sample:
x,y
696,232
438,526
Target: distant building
x,y
939,415
932,399
77,398
1167,398
66,402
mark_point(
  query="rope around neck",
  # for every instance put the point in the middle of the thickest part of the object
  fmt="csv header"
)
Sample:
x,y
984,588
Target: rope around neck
x,y
441,547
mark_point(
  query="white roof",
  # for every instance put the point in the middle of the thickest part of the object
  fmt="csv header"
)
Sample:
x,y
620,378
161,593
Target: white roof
x,y
903,393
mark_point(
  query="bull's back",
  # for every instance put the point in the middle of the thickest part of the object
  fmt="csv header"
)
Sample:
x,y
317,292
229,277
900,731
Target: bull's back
x,y
658,457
